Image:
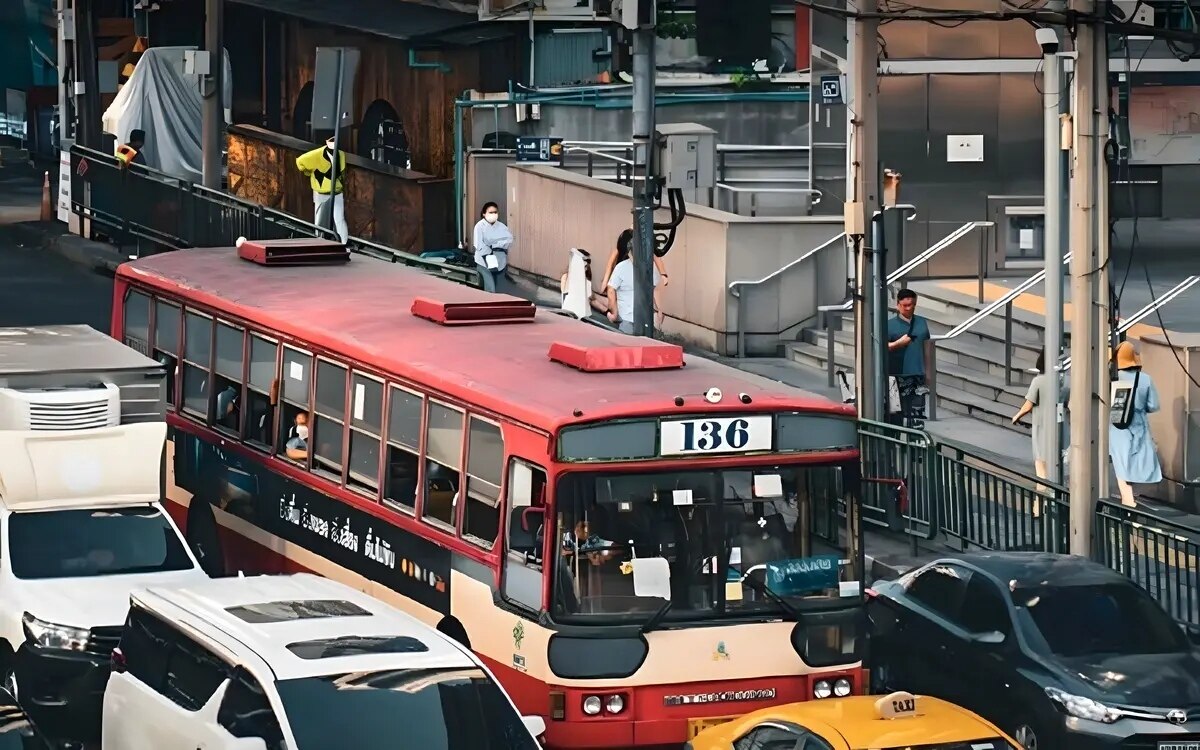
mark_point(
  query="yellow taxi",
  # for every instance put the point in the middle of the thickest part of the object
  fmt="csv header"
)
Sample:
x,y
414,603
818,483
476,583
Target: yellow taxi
x,y
900,721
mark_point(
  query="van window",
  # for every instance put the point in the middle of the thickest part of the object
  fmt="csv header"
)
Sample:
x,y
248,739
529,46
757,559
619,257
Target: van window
x,y
246,712
193,674
145,644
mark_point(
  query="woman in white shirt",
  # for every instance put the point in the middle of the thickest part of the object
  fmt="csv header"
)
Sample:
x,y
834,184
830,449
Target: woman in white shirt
x,y
491,241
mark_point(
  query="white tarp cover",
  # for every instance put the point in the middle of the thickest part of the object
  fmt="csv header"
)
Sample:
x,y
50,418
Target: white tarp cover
x,y
163,100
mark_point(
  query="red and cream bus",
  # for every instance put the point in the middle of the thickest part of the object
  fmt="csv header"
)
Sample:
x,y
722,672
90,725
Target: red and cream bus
x,y
636,544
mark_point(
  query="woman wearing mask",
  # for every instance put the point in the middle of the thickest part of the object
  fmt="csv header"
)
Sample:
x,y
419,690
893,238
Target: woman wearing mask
x,y
491,241
1131,447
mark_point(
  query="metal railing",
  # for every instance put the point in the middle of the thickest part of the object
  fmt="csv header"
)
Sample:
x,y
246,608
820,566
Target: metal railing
x,y
975,319
833,313
1150,309
735,286
925,488
726,194
139,202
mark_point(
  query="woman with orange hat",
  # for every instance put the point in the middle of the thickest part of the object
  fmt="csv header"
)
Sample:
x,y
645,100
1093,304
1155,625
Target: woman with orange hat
x,y
1131,447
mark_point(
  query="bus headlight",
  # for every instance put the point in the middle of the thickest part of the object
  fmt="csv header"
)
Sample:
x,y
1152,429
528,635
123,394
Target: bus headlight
x,y
591,705
615,705
822,689
841,688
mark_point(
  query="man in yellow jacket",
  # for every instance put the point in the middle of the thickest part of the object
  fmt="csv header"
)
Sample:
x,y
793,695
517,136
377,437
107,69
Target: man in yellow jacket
x,y
317,165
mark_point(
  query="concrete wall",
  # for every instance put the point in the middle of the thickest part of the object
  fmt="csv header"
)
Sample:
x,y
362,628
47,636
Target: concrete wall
x,y
551,210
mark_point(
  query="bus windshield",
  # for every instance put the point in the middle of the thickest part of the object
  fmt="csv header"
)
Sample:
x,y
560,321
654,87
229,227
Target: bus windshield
x,y
700,543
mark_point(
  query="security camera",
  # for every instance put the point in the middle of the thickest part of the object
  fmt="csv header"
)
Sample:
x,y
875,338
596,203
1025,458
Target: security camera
x,y
713,395
1047,39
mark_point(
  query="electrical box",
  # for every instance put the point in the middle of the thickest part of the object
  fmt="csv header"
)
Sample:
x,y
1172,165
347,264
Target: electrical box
x,y
197,62
634,14
687,156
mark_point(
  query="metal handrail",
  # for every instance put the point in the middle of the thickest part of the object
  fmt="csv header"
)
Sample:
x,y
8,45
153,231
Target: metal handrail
x,y
1147,311
1016,291
924,257
737,295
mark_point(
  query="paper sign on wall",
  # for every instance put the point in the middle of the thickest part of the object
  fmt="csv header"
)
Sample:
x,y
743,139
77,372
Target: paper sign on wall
x,y
1025,239
360,398
295,371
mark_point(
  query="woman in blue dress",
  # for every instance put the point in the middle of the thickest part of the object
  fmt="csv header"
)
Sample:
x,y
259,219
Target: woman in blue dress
x,y
1132,450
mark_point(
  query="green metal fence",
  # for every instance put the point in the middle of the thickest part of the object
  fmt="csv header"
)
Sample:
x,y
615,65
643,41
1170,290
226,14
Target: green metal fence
x,y
967,500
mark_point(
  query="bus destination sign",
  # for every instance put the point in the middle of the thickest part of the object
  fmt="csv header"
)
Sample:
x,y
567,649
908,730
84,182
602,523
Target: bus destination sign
x,y
713,435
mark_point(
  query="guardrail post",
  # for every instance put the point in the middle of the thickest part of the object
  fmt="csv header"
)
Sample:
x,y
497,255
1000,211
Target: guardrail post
x,y
1008,323
829,316
931,377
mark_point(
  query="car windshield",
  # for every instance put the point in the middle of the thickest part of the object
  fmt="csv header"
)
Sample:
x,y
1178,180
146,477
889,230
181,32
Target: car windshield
x,y
433,709
1111,618
84,543
711,543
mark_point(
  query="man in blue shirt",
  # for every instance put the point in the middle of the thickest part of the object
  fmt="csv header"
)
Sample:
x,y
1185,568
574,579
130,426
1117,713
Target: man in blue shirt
x,y
907,333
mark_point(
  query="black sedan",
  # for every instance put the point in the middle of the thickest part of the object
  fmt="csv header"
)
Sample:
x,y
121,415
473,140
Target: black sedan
x,y
1060,652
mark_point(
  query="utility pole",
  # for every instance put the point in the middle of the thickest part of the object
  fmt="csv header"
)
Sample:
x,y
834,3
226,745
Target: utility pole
x,y
64,98
87,131
213,125
860,210
1102,312
643,158
1085,456
1052,95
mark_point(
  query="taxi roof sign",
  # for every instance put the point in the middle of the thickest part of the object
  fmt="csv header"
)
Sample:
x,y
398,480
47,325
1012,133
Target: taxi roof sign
x,y
899,705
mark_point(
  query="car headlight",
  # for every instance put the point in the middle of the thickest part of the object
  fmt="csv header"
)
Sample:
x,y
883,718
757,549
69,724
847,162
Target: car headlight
x,y
591,705
822,689
51,635
1083,708
841,688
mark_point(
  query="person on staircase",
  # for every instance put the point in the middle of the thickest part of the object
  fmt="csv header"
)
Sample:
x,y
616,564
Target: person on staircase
x,y
317,165
908,335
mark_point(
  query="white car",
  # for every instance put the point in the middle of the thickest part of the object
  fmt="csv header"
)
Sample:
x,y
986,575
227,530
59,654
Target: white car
x,y
297,662
68,564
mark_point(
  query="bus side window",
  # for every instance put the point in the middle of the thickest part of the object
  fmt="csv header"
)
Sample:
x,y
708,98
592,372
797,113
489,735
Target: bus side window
x,y
166,343
294,401
197,363
226,407
443,463
526,493
485,465
403,448
260,380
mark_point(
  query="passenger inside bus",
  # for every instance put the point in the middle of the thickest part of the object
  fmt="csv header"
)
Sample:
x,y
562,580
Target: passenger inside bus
x,y
226,411
724,545
296,447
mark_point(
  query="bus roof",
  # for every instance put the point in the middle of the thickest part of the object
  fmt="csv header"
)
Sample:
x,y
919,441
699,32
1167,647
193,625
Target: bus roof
x,y
361,310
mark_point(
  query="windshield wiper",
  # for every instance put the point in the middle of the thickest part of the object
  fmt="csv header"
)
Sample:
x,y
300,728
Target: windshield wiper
x,y
657,618
765,590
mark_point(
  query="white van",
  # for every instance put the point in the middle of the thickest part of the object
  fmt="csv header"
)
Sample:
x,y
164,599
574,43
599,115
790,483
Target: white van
x,y
297,662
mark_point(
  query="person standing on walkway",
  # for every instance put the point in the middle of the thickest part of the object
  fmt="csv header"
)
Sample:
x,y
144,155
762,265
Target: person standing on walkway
x,y
317,165
907,335
492,240
131,152
1130,444
1045,417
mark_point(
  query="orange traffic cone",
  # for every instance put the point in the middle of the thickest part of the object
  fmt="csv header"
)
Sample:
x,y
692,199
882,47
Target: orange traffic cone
x,y
47,214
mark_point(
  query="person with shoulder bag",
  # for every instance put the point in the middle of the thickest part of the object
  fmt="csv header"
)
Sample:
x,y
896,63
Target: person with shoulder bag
x,y
1130,444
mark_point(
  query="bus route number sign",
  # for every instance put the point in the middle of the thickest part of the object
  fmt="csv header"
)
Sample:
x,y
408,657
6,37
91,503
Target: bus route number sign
x,y
707,436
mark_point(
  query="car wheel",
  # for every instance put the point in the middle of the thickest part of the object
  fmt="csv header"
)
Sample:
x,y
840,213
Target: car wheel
x,y
1026,737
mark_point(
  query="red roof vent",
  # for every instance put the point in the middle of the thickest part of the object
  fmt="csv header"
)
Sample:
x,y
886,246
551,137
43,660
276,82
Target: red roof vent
x,y
482,310
295,252
617,358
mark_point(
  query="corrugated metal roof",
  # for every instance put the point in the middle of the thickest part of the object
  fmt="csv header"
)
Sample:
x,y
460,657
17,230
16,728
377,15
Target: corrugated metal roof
x,y
395,19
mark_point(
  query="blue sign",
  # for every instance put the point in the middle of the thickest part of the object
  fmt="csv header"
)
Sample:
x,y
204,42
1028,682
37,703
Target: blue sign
x,y
804,575
831,89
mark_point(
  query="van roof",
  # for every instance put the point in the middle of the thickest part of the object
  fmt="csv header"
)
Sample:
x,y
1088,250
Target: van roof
x,y
304,625
36,350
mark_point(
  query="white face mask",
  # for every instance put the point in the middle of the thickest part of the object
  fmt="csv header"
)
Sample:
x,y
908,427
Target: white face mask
x,y
302,431
329,145
491,218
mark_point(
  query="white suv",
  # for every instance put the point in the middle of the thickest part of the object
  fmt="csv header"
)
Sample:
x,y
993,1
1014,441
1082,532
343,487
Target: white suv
x,y
297,663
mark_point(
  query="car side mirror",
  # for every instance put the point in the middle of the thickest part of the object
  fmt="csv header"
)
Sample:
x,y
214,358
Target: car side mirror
x,y
535,724
992,638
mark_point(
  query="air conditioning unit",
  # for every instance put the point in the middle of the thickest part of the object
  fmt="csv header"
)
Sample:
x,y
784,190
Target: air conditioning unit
x,y
1133,11
58,409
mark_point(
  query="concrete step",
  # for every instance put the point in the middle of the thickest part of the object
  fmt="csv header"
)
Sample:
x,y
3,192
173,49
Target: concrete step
x,y
970,356
957,392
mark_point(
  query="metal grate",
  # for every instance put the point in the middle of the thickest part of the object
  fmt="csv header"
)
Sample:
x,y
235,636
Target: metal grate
x,y
103,640
82,415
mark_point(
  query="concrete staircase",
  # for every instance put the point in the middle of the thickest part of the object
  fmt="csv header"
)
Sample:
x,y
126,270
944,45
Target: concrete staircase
x,y
970,367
